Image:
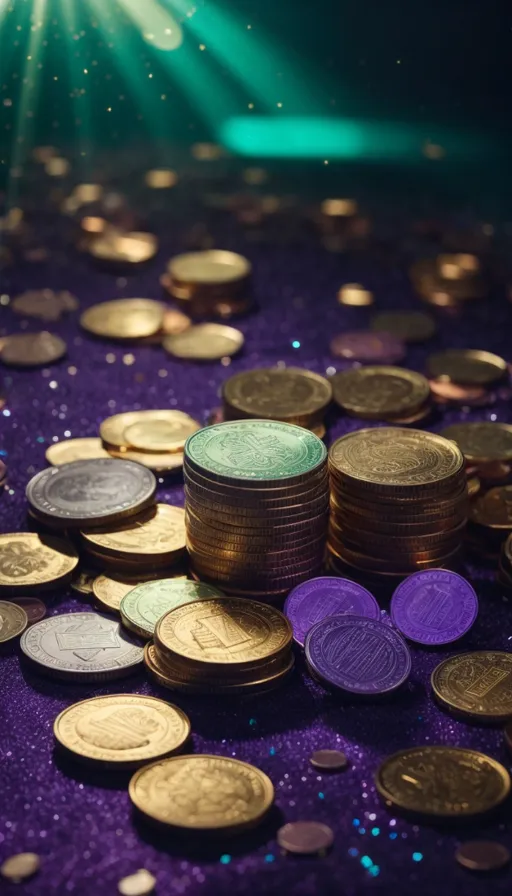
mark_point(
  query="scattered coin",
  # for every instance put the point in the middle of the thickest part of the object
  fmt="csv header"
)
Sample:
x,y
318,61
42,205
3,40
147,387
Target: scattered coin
x,y
483,441
372,348
305,838
324,596
483,855
195,793
205,342
213,266
142,883
13,621
354,294
124,319
118,247
33,607
467,367
175,322
113,429
28,560
121,730
409,326
20,867
493,510
161,433
144,605
476,685
291,395
447,392
110,590
434,606
164,462
44,304
74,449
32,349
83,580
380,392
329,760
82,647
161,178
157,534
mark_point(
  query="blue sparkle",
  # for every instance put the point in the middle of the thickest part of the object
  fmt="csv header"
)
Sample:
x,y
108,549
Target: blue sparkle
x,y
40,439
295,343
252,722
374,870
362,830
353,852
393,836
417,856
366,862
3,452
272,751
375,832
6,413
269,857
225,859
356,822
321,795
420,718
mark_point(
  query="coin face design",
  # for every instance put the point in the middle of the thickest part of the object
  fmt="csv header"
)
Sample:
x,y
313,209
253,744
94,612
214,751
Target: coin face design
x,y
443,782
144,605
28,559
434,606
123,729
277,393
202,792
161,530
480,442
324,596
84,646
255,450
13,620
476,684
380,391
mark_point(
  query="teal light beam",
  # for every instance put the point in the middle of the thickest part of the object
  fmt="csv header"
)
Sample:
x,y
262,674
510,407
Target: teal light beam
x,y
157,25
81,104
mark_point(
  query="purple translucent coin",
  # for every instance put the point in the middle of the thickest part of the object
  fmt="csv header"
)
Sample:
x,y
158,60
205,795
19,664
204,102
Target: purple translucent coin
x,y
361,656
434,606
312,601
362,345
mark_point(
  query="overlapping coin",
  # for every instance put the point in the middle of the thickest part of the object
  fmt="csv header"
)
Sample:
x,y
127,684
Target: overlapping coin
x,y
30,562
324,596
156,537
476,685
210,283
291,395
144,605
13,621
434,606
124,319
382,393
154,439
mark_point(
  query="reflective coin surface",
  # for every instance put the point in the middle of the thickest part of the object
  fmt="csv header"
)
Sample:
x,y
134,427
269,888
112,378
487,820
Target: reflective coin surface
x,y
33,607
483,441
205,342
158,531
477,685
305,837
434,606
13,621
32,349
75,449
28,560
380,392
312,601
143,606
124,318
277,394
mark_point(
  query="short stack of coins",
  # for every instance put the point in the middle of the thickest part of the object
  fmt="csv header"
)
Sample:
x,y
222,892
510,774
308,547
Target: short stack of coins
x,y
398,504
257,505
208,283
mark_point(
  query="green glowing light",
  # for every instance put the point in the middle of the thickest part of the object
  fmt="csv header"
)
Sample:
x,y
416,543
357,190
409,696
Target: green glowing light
x,y
157,26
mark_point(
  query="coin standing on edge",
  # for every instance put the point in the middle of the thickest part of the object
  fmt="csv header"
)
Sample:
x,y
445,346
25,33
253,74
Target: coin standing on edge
x,y
434,606
317,598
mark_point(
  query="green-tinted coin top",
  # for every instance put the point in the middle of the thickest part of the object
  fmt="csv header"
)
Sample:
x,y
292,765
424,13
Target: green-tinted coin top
x,y
143,606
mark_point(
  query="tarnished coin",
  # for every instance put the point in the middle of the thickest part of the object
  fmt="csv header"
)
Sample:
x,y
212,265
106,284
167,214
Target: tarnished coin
x,y
213,266
143,606
29,560
380,392
324,596
118,247
482,442
205,342
358,655
91,491
33,607
409,326
482,855
141,883
44,304
32,349
288,394
157,533
372,348
161,431
13,621
329,760
305,838
122,730
75,449
202,793
124,319
20,867
81,647
468,367
476,685
441,782
493,510
434,606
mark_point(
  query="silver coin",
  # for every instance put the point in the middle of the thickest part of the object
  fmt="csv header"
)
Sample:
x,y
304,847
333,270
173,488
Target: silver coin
x,y
91,491
82,647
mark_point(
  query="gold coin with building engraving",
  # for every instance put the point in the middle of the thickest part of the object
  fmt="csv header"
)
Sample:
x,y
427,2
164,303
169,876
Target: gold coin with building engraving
x,y
159,531
224,633
13,621
482,442
441,782
380,392
29,560
201,792
122,730
468,367
477,685
124,319
74,449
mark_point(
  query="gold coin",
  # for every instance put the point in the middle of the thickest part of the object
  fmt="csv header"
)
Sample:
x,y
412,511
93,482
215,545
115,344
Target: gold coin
x,y
467,367
201,792
442,782
205,342
477,685
124,319
164,462
224,632
161,178
142,883
378,392
13,621
175,322
124,730
493,509
159,434
113,429
159,531
210,267
354,294
28,560
409,326
82,581
482,442
74,449
276,394
126,248
20,867
110,590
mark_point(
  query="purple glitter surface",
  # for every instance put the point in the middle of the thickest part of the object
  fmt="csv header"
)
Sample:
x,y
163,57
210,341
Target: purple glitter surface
x,y
434,606
80,823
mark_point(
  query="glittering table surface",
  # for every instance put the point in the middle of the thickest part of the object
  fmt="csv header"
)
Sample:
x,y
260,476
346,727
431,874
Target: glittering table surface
x,y
81,823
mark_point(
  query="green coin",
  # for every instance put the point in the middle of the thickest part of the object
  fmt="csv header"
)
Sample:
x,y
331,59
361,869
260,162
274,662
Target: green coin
x,y
255,451
143,606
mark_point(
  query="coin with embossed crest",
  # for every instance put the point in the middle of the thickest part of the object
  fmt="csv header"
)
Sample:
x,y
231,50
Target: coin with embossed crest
x,y
476,685
157,533
122,730
380,392
287,394
143,606
75,449
482,442
91,492
32,561
441,782
201,792
13,621
82,647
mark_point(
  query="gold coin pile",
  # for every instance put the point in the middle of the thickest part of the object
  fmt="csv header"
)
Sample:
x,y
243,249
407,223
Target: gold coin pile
x,y
449,280
398,503
291,395
385,393
155,439
257,500
221,645
210,283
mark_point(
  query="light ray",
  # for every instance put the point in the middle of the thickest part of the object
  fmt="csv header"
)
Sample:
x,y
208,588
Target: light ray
x,y
157,26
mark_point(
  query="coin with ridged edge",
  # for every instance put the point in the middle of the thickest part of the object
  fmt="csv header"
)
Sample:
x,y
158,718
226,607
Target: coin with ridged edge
x,y
379,392
29,561
144,605
202,792
13,621
121,730
277,394
158,532
482,442
476,685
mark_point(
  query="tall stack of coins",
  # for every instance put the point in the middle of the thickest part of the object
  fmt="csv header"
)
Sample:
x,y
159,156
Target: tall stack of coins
x,y
209,283
257,503
398,503
291,395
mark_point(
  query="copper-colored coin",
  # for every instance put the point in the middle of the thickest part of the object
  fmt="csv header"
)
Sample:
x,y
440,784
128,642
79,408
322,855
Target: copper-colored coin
x,y
34,608
305,838
277,394
74,449
493,509
467,367
329,760
446,391
205,342
175,322
482,442
482,855
124,319
378,392
32,349
410,326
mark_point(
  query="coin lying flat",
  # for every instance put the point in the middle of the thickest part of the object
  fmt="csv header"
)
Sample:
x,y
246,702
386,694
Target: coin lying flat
x,y
141,883
482,442
493,510
324,596
159,430
305,838
91,491
33,607
286,395
329,760
468,366
82,581
213,266
124,730
20,867
476,685
144,605
373,348
32,349
205,342
81,647
118,247
44,304
434,606
110,590
442,782
380,392
179,425
28,560
483,855
75,449
124,318
165,462
354,294
13,621
202,793
158,532
409,326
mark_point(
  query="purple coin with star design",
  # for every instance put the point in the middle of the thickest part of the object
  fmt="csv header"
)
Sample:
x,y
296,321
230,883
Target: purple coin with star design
x,y
434,606
312,601
357,655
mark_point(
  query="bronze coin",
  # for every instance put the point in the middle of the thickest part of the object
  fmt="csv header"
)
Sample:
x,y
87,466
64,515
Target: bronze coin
x,y
305,837
482,855
32,349
34,608
329,760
